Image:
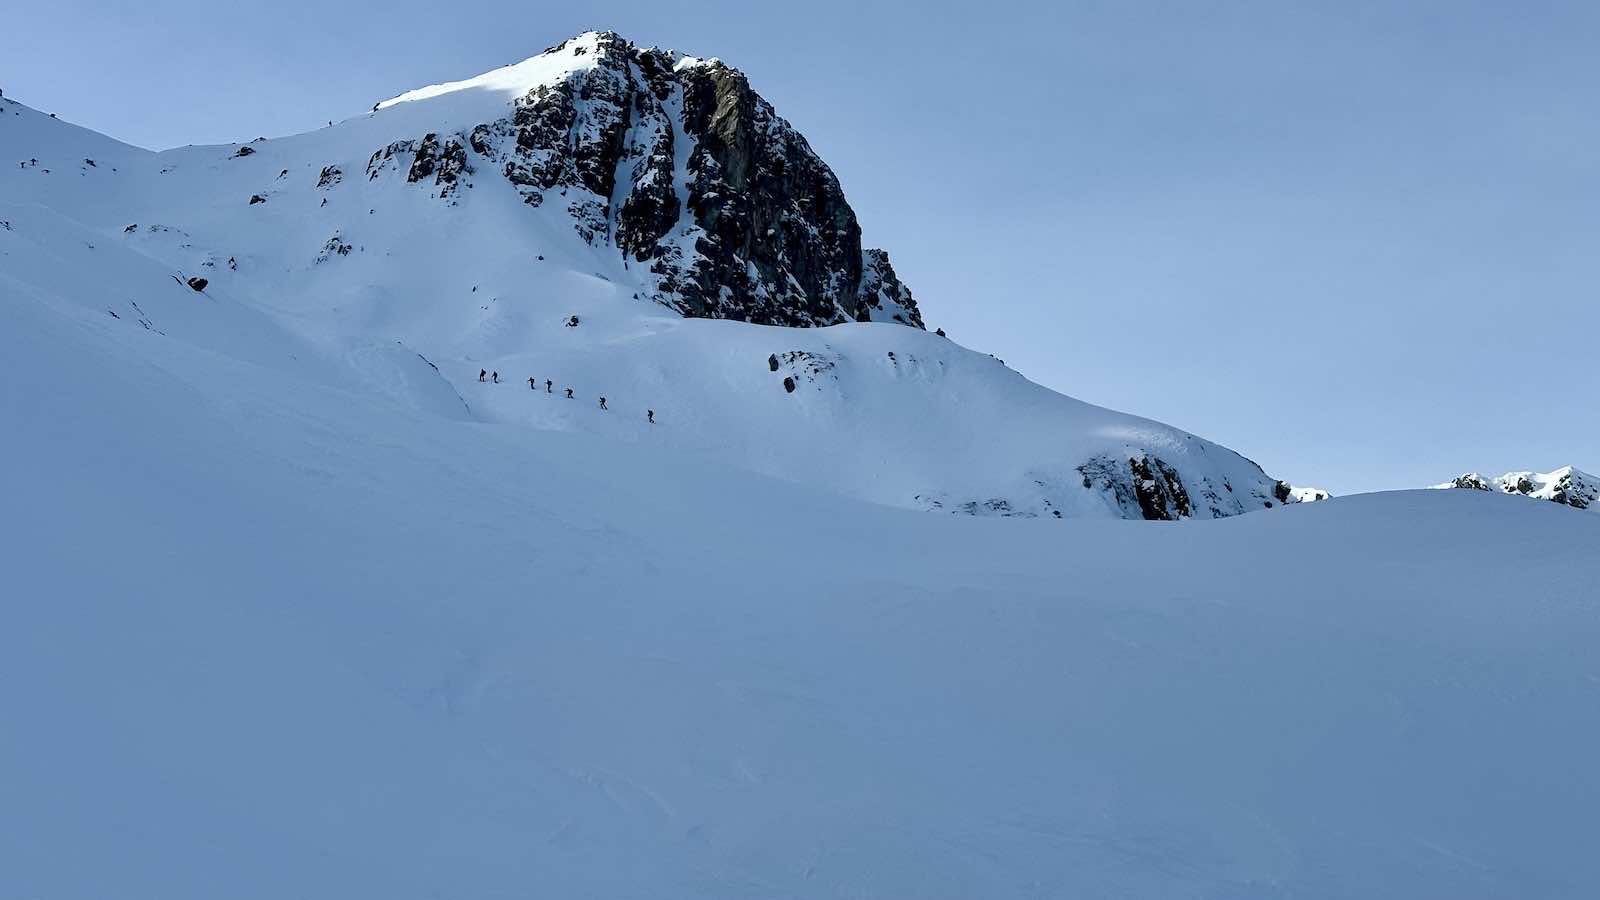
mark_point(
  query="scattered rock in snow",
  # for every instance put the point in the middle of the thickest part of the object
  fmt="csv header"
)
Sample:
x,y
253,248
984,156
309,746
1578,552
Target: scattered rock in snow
x,y
335,246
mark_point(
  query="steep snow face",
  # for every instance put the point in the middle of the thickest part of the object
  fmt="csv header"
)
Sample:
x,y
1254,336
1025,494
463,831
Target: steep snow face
x,y
269,634
400,252
1566,485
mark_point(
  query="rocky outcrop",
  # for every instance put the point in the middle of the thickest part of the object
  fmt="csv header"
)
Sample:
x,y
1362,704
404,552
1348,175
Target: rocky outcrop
x,y
1142,487
444,164
683,168
779,243
386,158
881,297
1140,484
336,246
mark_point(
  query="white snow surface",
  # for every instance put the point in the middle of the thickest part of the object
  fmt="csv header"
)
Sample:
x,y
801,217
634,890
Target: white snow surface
x,y
485,97
510,82
363,270
290,613
1308,494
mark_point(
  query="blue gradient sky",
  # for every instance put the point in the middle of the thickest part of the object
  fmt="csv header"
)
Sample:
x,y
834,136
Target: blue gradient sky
x,y
1358,242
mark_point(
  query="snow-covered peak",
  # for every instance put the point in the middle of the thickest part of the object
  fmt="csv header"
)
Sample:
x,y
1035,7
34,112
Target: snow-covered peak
x,y
507,82
573,237
494,89
1566,485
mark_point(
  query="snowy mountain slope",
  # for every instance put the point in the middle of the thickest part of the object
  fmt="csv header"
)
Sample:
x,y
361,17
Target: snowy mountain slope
x,y
269,635
364,264
1566,485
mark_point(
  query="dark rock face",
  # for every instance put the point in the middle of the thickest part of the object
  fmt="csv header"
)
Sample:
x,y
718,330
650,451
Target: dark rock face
x,y
444,163
1572,490
1159,489
1142,487
427,154
685,170
777,232
881,296
388,157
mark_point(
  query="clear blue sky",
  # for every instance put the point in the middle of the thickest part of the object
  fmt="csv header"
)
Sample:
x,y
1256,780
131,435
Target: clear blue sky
x,y
1358,242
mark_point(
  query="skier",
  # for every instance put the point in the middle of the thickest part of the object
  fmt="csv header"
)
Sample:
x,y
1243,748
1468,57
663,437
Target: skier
x,y
602,403
482,374
495,377
650,416
547,385
530,384
569,393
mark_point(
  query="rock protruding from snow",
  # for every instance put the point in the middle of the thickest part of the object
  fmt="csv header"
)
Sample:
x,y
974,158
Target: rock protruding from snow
x,y
882,298
1566,485
1288,493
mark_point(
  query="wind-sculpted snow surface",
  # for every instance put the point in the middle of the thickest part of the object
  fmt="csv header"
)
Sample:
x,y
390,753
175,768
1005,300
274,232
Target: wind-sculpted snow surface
x,y
270,633
412,233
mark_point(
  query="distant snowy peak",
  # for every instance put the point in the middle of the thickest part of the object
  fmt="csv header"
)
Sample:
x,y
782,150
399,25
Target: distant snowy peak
x,y
1566,485
671,160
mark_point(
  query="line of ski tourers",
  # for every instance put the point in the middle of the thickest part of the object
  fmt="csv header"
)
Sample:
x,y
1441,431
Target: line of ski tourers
x,y
549,388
